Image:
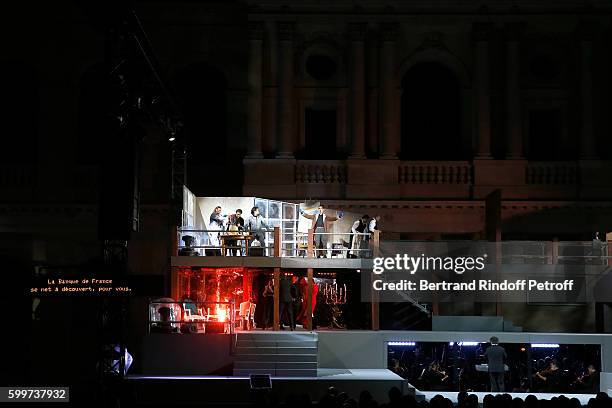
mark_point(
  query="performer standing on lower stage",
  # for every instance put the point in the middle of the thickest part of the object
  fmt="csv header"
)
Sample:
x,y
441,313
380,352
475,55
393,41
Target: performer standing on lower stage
x,y
496,355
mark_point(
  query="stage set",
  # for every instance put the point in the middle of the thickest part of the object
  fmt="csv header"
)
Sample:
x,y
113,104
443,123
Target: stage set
x,y
273,300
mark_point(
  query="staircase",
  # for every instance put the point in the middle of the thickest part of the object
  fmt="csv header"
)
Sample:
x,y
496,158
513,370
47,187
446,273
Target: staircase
x,y
289,354
405,316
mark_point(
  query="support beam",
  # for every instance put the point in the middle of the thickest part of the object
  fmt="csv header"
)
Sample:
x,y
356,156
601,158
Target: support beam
x,y
309,288
277,274
310,248
375,296
277,242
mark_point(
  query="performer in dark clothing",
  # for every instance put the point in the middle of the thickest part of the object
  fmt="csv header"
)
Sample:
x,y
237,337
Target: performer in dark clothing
x,y
286,301
358,241
235,227
267,304
434,377
551,377
239,221
296,295
260,281
496,355
588,382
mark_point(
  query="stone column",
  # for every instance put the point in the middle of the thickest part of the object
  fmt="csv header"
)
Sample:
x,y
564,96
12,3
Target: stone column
x,y
254,97
586,33
388,143
357,36
373,90
482,95
270,88
514,124
285,95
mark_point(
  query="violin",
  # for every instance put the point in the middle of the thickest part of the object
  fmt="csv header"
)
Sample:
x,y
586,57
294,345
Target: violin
x,y
543,373
580,378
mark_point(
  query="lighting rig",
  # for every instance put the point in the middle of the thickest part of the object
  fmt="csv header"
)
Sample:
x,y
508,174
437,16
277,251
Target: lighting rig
x,y
135,95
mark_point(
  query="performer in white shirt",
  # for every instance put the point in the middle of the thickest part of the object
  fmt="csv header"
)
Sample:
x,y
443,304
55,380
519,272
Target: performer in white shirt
x,y
373,224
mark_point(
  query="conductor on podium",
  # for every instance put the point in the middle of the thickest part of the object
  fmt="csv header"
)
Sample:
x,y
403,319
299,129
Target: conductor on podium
x,y
496,355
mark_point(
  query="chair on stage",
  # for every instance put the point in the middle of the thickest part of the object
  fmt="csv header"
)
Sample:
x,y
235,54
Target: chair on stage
x,y
246,314
302,244
188,316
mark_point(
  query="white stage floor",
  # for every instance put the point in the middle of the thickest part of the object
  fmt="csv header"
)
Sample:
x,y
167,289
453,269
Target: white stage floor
x,y
357,374
584,398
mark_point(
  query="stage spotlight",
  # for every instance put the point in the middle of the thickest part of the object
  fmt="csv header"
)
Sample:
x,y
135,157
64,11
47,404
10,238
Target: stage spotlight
x,y
544,345
171,138
401,343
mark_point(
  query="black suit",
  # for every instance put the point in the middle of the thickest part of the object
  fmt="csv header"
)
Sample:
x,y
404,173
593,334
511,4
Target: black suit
x,y
285,301
495,358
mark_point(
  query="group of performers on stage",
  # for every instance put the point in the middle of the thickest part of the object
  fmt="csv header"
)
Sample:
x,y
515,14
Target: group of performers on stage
x,y
453,367
292,301
327,301
229,226
235,224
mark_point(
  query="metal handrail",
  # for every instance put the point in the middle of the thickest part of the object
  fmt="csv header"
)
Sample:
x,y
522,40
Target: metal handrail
x,y
230,316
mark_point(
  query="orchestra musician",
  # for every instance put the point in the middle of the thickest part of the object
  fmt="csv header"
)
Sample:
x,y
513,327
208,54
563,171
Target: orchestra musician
x,y
588,381
435,377
397,368
551,376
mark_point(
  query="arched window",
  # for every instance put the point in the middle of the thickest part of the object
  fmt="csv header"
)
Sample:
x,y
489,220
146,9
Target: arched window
x,y
431,114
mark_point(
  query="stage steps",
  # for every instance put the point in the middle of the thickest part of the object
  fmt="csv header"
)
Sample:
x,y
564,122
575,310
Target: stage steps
x,y
280,354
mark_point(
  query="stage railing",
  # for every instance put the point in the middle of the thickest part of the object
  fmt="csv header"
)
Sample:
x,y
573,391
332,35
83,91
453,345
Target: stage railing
x,y
308,245
341,244
169,316
217,242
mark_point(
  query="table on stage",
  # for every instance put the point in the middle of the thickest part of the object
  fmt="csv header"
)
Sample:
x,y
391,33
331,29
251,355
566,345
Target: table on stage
x,y
247,238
